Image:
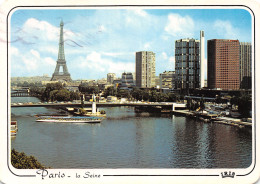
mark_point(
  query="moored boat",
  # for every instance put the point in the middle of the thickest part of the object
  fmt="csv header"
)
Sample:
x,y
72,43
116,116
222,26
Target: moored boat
x,y
69,119
14,127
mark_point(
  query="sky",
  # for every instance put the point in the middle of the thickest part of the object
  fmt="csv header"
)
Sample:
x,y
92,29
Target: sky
x,y
98,41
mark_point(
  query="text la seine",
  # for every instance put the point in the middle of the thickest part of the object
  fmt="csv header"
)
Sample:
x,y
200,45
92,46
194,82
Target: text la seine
x,y
46,174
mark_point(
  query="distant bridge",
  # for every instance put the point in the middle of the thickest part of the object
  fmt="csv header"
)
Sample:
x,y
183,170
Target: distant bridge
x,y
99,104
20,93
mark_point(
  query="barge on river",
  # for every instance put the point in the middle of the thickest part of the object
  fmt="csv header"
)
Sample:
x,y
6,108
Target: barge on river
x,y
69,119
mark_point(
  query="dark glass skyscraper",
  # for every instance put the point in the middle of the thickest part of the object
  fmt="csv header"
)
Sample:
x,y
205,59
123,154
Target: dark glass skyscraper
x,y
187,63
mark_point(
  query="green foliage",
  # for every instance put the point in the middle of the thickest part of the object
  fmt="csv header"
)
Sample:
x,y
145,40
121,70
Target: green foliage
x,y
89,89
202,104
245,105
21,161
46,96
110,91
63,95
74,96
56,92
153,95
37,91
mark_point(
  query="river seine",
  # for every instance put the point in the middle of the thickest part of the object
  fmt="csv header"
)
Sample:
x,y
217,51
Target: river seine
x,y
127,139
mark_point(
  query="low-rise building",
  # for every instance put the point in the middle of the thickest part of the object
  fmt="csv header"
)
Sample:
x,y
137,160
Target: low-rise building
x,y
167,79
127,80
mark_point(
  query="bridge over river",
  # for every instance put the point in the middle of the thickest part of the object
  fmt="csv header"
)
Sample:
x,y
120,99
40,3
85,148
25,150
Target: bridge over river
x,y
99,104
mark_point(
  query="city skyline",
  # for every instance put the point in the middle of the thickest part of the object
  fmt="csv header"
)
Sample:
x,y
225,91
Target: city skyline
x,y
96,44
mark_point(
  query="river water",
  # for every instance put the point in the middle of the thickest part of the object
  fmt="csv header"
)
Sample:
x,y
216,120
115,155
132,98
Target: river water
x,y
127,139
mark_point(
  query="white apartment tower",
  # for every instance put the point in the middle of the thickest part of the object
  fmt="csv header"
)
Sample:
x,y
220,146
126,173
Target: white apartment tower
x,y
145,69
202,56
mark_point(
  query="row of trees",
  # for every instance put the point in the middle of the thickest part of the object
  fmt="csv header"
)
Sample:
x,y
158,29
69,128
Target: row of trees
x,y
147,95
57,92
54,92
27,84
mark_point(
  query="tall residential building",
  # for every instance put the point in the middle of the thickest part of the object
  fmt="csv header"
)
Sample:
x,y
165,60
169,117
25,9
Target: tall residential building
x,y
223,64
110,78
187,63
167,79
202,55
245,65
145,69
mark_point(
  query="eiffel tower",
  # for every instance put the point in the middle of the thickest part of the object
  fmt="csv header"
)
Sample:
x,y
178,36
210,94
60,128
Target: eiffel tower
x,y
61,62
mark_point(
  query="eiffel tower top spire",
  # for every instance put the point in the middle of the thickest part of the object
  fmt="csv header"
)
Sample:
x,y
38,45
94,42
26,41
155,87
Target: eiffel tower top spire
x,y
61,55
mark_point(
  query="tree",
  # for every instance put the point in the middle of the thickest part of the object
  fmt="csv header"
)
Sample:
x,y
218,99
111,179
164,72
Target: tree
x,y
74,95
50,87
53,95
21,161
202,104
245,105
172,97
189,104
63,95
234,101
136,93
110,91
89,89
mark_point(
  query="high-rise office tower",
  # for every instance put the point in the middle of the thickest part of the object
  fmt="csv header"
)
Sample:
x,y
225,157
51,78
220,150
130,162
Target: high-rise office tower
x,y
223,64
145,69
202,55
245,65
187,63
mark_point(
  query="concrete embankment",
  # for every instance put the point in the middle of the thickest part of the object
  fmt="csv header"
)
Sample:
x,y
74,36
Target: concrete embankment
x,y
213,118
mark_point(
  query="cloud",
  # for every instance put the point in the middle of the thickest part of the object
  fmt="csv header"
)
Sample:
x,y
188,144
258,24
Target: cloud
x,y
164,55
49,61
35,53
225,29
179,26
14,51
140,12
97,62
147,46
171,63
30,63
42,28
